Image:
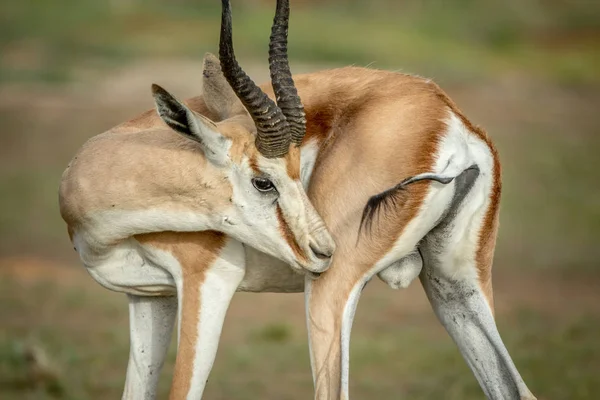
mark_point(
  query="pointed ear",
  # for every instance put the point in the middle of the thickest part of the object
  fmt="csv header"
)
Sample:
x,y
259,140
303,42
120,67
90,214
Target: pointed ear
x,y
191,125
218,94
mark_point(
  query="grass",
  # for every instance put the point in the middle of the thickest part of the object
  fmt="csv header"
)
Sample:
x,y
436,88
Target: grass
x,y
464,38
408,355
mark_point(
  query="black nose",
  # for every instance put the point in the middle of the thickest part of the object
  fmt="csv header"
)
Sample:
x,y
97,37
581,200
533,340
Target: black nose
x,y
319,253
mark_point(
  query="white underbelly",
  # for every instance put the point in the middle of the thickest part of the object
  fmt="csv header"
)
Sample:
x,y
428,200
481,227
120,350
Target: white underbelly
x,y
130,267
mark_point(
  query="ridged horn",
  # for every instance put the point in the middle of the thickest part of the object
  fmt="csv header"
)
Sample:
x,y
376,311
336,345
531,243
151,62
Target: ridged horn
x,y
281,76
273,135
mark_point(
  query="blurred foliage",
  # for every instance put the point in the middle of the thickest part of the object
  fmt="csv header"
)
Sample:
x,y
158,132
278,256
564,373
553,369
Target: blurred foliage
x,y
275,333
556,38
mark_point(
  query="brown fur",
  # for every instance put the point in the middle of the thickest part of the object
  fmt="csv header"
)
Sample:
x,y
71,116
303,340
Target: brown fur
x,y
196,252
292,162
386,129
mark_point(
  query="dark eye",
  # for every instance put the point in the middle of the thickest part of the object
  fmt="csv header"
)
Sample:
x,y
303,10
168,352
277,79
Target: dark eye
x,y
263,184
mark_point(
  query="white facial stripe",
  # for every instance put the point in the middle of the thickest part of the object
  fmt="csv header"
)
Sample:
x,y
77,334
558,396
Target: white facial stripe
x,y
254,220
252,217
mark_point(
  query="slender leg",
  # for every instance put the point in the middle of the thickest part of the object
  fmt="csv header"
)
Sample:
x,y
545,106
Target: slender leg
x,y
151,321
204,298
464,311
331,300
456,275
330,306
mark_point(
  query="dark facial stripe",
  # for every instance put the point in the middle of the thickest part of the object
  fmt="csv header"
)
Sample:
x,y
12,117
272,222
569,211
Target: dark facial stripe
x,y
289,236
254,165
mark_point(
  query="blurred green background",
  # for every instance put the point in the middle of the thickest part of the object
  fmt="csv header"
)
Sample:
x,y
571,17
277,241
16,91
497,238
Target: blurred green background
x,y
527,71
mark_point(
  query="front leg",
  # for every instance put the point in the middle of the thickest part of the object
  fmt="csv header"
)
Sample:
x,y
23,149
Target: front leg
x,y
151,321
330,307
204,296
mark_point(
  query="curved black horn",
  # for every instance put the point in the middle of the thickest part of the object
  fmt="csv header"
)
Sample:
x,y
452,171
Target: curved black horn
x,y
273,136
281,76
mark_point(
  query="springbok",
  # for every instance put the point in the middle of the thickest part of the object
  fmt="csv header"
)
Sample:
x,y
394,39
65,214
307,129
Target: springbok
x,y
181,216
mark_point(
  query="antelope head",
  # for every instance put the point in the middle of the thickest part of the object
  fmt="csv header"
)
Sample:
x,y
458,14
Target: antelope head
x,y
254,147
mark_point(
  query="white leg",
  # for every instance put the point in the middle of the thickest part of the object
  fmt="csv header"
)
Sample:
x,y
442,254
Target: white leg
x,y
329,342
347,320
463,310
205,297
151,321
457,263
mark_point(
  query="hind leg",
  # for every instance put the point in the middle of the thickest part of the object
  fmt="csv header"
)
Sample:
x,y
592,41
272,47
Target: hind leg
x,y
456,276
151,321
332,299
463,309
